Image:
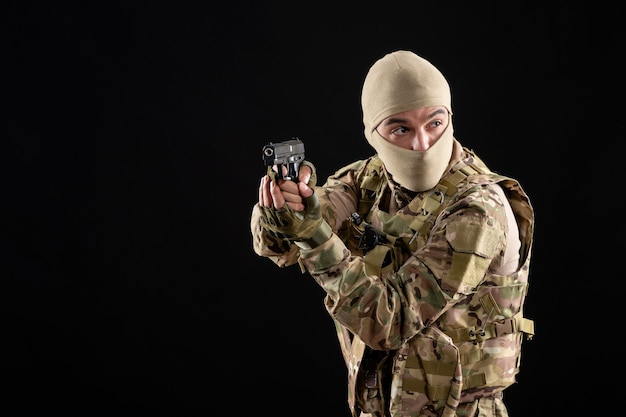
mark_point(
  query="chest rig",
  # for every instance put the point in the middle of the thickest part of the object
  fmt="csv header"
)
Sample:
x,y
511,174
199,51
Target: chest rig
x,y
386,240
445,365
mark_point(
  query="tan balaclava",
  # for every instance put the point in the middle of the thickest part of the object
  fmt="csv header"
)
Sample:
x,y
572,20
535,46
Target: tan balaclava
x,y
398,82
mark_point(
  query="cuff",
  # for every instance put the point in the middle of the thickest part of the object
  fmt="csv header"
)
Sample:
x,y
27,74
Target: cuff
x,y
321,235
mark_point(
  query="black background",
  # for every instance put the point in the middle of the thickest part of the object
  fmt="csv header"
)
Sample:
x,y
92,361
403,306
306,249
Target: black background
x,y
134,132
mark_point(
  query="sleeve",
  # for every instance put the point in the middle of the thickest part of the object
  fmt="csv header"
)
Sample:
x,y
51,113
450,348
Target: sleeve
x,y
338,199
278,250
384,311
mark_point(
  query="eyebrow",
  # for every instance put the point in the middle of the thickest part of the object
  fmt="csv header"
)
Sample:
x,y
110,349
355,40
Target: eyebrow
x,y
436,112
393,120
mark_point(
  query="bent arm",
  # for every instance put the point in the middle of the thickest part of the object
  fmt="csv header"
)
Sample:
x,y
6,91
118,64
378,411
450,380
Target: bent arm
x,y
338,198
384,311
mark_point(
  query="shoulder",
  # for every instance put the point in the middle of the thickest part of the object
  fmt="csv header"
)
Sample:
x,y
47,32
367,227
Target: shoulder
x,y
490,181
359,168
478,174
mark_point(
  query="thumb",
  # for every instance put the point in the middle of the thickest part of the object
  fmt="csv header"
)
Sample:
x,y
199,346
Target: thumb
x,y
313,210
311,202
305,190
307,173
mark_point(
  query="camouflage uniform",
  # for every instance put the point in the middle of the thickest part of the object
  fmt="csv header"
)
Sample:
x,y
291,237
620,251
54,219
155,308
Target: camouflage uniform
x,y
427,325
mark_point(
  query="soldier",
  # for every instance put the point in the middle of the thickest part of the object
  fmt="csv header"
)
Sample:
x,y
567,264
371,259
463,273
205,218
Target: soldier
x,y
422,250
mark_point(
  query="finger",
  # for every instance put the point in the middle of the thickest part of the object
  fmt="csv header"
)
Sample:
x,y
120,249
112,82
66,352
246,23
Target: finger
x,y
304,175
305,190
295,201
296,206
288,186
292,198
265,199
277,196
261,192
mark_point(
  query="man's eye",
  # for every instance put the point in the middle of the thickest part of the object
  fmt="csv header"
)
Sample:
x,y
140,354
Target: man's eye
x,y
436,123
399,130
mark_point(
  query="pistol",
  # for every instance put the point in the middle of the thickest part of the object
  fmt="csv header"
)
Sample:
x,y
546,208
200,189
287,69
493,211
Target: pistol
x,y
286,155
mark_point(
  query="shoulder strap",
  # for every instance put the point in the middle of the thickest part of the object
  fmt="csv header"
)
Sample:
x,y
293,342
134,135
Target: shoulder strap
x,y
371,183
443,192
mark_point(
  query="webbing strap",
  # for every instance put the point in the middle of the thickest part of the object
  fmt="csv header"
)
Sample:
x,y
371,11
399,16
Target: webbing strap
x,y
418,385
467,358
455,179
374,259
434,203
371,185
371,182
514,324
430,207
356,354
441,392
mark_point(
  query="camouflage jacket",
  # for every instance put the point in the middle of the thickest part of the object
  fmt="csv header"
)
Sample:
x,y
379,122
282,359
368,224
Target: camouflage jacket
x,y
427,324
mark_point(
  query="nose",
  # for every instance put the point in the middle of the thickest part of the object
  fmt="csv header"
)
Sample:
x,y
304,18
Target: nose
x,y
421,141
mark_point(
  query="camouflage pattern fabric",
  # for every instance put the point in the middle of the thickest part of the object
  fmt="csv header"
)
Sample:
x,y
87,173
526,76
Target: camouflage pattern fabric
x,y
452,327
291,225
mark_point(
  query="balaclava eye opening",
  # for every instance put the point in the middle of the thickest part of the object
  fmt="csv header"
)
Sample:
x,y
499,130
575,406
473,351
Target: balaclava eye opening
x,y
399,82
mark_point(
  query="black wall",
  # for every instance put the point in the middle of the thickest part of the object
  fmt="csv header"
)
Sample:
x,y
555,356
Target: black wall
x,y
134,134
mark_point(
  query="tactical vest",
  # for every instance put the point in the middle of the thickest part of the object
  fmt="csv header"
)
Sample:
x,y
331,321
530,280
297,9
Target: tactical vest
x,y
466,356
